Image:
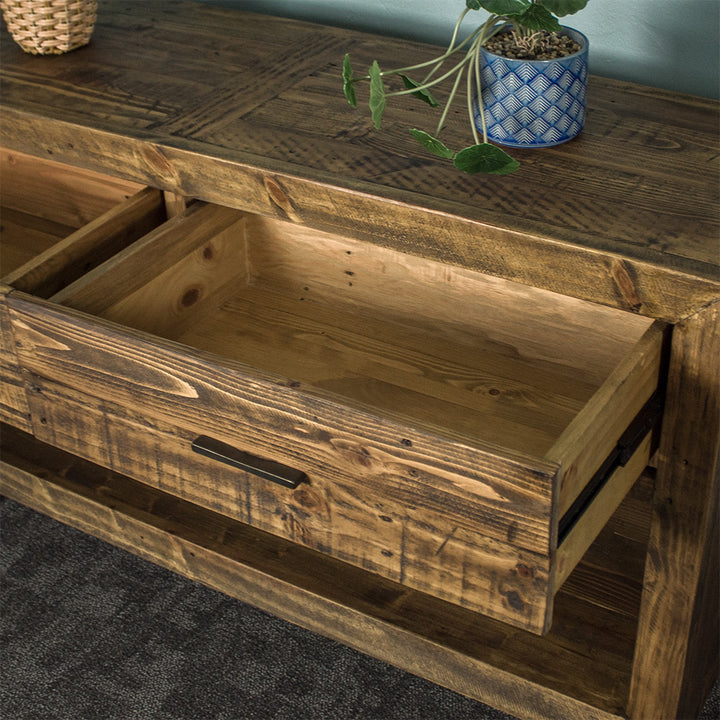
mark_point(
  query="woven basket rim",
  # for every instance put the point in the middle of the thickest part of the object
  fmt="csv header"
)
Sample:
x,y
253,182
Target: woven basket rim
x,y
44,27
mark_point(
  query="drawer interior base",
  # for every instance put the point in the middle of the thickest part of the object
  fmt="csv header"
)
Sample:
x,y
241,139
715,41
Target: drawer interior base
x,y
584,661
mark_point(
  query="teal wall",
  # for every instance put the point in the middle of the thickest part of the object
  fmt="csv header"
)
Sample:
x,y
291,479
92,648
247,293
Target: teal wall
x,y
673,44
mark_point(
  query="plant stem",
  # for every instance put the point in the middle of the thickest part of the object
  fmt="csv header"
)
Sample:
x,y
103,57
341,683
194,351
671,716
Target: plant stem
x,y
451,46
472,53
449,102
437,61
478,90
432,83
457,28
489,28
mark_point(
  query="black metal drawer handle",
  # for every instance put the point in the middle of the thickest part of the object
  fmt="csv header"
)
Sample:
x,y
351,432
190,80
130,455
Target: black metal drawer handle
x,y
269,469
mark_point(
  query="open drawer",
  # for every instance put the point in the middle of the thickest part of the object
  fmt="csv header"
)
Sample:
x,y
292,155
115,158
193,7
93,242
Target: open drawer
x,y
459,434
57,223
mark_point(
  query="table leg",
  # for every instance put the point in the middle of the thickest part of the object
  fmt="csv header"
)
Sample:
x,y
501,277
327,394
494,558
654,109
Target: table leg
x,y
676,656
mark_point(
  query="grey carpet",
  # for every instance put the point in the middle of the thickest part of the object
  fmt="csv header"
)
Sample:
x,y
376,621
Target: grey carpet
x,y
90,632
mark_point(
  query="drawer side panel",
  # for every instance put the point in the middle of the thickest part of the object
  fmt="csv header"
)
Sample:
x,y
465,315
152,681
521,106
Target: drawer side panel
x,y
90,245
594,433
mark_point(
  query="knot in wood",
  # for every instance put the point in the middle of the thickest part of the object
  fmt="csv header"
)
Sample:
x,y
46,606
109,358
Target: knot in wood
x,y
280,199
622,273
160,165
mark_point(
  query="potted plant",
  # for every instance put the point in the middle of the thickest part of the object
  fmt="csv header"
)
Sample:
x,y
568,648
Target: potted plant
x,y
526,79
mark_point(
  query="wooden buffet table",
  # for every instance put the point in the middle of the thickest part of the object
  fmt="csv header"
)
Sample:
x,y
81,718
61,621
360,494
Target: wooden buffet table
x,y
469,425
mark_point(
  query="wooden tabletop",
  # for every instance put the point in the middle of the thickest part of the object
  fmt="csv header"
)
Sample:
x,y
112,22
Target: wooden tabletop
x,y
247,110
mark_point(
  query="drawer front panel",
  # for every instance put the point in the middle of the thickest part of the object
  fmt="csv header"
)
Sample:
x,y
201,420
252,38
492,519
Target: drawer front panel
x,y
466,524
13,403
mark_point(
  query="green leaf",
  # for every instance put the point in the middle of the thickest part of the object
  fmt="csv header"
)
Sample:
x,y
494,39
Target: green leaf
x,y
485,158
473,4
505,7
537,17
423,95
377,94
348,85
563,7
431,143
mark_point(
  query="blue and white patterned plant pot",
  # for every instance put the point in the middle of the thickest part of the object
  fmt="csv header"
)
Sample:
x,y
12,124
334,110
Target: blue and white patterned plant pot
x,y
534,103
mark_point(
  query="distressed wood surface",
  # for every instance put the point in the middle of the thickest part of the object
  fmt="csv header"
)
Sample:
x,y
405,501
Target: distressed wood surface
x,y
70,257
136,265
253,117
478,357
14,408
42,203
367,521
53,191
351,335
595,431
679,619
580,669
625,216
594,519
505,498
360,276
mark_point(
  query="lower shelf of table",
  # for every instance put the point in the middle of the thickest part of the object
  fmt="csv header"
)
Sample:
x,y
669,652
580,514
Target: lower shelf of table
x,y
580,669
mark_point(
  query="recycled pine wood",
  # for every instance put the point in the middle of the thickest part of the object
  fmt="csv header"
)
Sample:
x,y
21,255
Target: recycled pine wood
x,y
70,256
55,224
685,574
400,466
252,120
346,374
13,399
550,677
43,202
611,495
322,304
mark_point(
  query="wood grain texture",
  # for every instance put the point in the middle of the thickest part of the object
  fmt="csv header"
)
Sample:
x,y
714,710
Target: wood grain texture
x,y
48,272
42,202
595,431
503,498
624,216
192,285
441,233
684,521
393,532
25,236
474,391
51,190
468,353
13,402
174,204
360,276
253,118
597,514
703,669
142,261
580,669
474,355
481,362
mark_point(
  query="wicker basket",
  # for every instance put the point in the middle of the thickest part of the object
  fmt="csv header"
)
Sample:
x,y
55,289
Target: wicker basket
x,y
50,27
